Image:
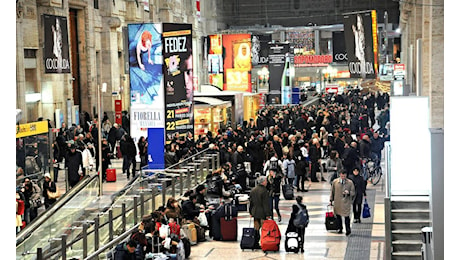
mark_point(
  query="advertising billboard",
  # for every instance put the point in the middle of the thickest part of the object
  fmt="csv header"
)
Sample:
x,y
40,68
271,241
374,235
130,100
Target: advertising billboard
x,y
360,31
237,62
178,78
215,60
146,81
56,44
339,51
277,64
259,49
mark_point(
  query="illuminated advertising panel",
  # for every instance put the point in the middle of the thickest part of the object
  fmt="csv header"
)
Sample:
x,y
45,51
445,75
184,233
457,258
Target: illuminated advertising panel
x,y
237,62
361,42
56,44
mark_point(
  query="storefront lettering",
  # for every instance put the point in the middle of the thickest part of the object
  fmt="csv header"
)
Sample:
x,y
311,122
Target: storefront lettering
x,y
147,116
312,59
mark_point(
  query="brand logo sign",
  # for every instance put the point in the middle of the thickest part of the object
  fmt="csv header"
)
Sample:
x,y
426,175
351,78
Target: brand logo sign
x,y
338,47
312,60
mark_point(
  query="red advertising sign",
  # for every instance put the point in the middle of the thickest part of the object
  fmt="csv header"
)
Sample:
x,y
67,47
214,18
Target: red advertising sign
x,y
237,62
118,108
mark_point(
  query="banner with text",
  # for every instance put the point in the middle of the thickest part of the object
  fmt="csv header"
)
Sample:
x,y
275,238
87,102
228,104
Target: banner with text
x,y
215,60
178,78
237,62
146,81
259,49
360,31
56,44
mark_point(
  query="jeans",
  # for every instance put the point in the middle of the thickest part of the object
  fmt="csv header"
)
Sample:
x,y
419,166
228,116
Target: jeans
x,y
276,199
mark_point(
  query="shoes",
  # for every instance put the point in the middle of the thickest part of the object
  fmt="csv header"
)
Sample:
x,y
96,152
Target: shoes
x,y
279,219
348,233
302,250
322,179
339,232
359,220
355,221
314,181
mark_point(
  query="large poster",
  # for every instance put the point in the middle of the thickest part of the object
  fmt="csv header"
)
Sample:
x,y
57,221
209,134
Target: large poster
x,y
361,43
178,78
339,51
237,62
259,49
215,61
146,80
278,71
56,44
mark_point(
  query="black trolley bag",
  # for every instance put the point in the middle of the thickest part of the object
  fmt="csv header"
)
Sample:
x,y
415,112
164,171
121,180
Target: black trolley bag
x,y
288,191
248,238
331,219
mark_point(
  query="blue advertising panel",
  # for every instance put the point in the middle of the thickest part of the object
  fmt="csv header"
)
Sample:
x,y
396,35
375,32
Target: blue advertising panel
x,y
155,150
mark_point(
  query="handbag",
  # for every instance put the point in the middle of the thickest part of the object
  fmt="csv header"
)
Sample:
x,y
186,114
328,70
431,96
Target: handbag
x,y
53,195
35,203
366,210
203,220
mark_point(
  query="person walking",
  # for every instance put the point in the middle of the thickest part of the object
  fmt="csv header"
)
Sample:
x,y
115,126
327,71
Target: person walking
x,y
300,230
48,185
259,207
128,150
342,196
333,166
274,180
74,165
301,167
142,146
360,191
289,169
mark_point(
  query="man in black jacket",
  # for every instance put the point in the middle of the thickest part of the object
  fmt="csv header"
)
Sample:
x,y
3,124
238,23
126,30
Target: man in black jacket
x,y
189,209
259,207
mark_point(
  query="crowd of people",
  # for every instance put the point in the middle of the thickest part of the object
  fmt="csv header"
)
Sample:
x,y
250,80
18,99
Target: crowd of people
x,y
295,144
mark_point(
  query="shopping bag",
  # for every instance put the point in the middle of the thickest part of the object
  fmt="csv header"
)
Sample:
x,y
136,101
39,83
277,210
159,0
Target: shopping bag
x,y
366,210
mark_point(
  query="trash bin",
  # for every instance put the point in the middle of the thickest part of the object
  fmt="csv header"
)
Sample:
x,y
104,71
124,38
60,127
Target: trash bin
x,y
427,246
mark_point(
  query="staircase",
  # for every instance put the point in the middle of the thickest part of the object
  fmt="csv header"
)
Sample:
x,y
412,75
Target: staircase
x,y
409,214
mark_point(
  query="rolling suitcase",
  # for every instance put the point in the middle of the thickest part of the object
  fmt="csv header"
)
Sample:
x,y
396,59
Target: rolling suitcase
x,y
291,243
241,202
111,175
190,232
248,239
331,219
288,191
270,237
229,224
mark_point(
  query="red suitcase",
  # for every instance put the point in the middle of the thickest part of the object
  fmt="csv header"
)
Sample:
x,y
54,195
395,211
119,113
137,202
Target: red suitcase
x,y
229,224
111,175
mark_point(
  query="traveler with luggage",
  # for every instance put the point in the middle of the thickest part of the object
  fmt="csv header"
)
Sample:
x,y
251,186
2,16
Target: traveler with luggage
x,y
259,207
360,190
342,195
274,190
295,232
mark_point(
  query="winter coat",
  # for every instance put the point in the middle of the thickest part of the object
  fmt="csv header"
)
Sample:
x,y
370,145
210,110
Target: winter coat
x,y
259,206
333,166
360,187
73,162
301,168
364,149
122,253
342,203
274,184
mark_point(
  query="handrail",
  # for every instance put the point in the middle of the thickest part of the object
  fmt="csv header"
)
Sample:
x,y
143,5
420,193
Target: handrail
x,y
113,242
23,234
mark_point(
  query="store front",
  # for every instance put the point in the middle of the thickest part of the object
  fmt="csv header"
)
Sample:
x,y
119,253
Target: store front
x,y
210,115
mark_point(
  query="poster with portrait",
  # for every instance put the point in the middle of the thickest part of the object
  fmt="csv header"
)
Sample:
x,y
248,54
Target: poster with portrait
x,y
237,62
146,80
56,44
259,48
360,31
215,60
178,79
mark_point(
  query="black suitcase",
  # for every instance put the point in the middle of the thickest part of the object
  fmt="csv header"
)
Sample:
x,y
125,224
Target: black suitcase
x,y
288,191
215,230
331,219
248,239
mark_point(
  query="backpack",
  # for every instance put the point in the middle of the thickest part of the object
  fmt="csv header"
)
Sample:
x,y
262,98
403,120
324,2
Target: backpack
x,y
290,169
274,165
32,165
213,185
301,219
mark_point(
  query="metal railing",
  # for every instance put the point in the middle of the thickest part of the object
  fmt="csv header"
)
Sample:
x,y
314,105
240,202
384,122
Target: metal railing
x,y
84,236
